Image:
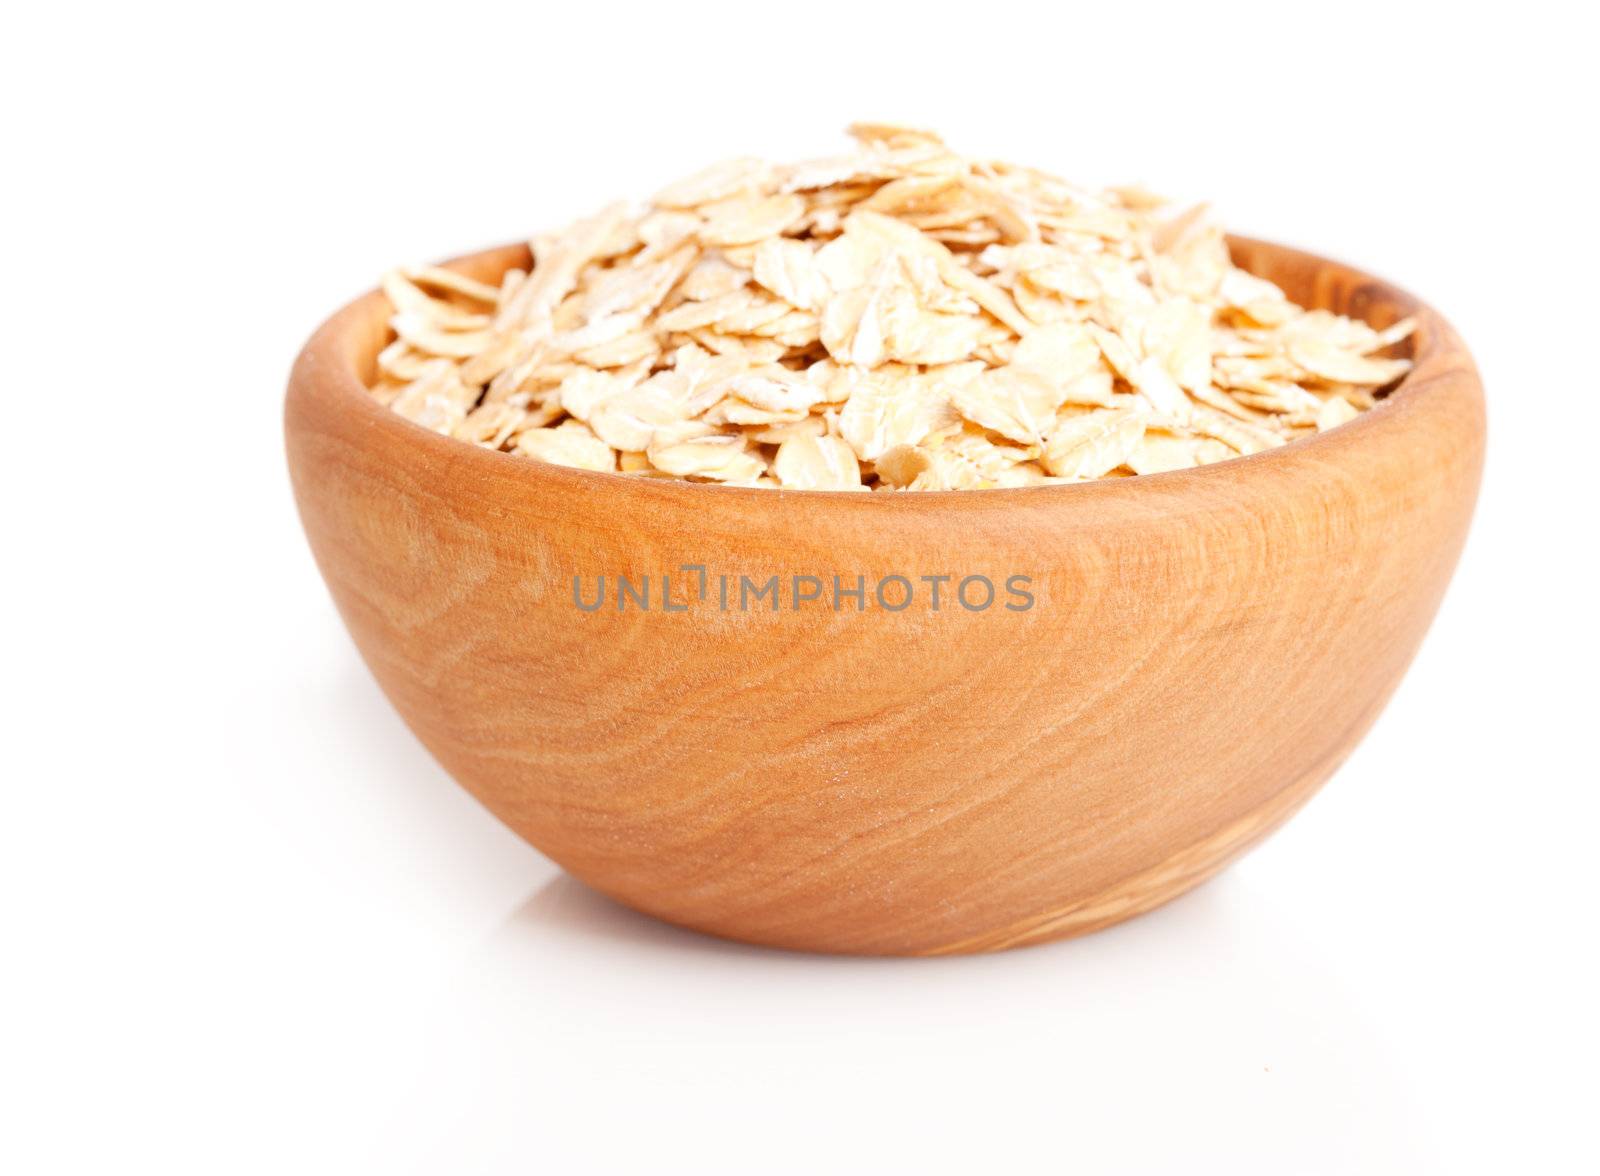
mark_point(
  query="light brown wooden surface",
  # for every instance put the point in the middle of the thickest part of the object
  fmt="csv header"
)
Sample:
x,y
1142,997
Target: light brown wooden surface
x,y
1205,648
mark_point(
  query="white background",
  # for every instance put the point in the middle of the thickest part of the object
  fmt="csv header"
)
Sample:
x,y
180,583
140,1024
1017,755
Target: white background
x,y
251,927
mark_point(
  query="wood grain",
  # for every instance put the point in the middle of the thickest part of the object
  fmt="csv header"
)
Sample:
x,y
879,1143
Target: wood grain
x,y
1204,649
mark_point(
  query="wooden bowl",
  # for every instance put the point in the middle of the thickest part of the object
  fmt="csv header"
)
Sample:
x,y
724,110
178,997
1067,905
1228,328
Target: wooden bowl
x,y
1204,648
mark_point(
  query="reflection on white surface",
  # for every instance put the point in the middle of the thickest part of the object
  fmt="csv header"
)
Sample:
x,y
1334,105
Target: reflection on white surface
x,y
1210,1027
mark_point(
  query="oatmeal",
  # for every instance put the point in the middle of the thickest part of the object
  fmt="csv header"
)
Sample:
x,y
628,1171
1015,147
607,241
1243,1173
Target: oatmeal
x,y
897,318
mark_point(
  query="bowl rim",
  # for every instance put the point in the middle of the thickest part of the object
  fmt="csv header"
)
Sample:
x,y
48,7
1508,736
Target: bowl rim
x,y
328,368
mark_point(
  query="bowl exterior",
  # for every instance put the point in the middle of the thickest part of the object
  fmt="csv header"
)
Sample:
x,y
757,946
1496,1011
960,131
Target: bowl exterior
x,y
1201,650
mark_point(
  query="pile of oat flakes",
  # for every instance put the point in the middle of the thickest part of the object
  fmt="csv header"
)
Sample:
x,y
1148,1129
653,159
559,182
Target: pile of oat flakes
x,y
899,317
